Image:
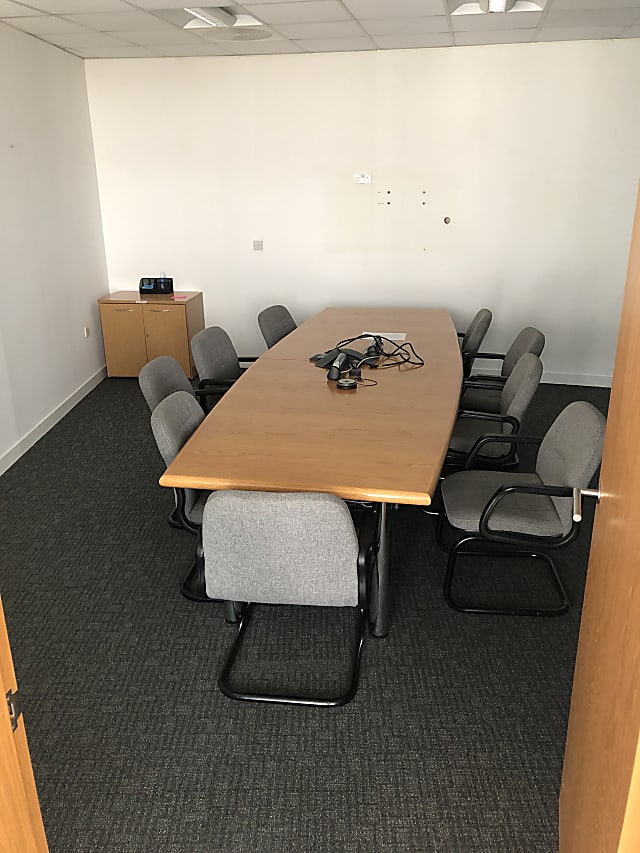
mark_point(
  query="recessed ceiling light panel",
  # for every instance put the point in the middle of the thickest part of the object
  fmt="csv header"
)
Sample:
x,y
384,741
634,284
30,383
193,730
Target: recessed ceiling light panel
x,y
483,7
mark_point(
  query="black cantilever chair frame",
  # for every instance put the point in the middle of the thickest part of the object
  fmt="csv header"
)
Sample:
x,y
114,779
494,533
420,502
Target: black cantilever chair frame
x,y
466,459
538,516
492,542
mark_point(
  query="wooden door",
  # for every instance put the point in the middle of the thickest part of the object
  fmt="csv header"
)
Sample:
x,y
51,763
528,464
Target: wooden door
x,y
166,330
600,795
21,829
124,341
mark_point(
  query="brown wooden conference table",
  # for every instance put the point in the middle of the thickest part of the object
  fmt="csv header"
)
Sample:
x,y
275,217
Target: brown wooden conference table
x,y
284,427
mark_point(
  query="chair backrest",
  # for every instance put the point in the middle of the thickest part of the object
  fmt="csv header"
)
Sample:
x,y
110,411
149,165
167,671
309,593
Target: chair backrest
x,y
571,452
518,390
275,323
214,355
173,421
161,377
280,548
528,339
476,332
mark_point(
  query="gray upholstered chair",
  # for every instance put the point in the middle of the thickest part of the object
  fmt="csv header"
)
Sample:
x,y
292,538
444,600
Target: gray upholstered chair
x,y
482,391
216,360
173,421
467,445
283,548
158,379
471,340
516,514
161,377
275,323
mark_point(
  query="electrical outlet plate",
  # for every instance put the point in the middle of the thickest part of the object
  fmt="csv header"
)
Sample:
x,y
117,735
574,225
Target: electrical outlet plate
x,y
362,178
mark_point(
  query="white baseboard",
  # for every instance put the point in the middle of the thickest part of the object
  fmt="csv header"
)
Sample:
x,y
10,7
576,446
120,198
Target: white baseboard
x,y
20,447
591,380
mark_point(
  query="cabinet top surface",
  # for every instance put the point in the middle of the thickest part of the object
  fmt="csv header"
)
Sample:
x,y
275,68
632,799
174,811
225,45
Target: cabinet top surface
x,y
177,298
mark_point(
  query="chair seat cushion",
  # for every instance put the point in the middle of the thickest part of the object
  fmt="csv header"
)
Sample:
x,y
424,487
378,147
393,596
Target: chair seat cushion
x,y
468,430
482,400
466,494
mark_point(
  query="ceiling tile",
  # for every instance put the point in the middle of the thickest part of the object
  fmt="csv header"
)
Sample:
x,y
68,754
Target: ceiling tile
x,y
597,18
258,48
344,29
64,7
83,40
127,51
299,13
405,42
499,37
551,34
167,4
395,8
45,25
407,26
596,4
14,10
183,50
217,34
148,38
495,23
119,21
335,45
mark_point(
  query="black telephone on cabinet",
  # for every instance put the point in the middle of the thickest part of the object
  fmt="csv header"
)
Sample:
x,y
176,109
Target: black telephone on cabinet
x,y
161,285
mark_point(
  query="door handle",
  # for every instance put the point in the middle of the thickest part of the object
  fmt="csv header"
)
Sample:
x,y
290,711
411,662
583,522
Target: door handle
x,y
160,310
125,309
577,500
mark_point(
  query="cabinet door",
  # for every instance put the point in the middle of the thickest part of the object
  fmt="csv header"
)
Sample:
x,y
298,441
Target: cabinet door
x,y
166,330
124,340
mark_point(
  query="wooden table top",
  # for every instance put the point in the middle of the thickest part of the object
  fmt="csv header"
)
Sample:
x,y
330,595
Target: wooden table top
x,y
177,298
283,427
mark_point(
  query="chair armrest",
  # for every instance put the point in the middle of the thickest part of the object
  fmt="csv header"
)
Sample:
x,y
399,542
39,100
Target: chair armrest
x,y
481,382
514,438
219,385
491,417
519,538
488,355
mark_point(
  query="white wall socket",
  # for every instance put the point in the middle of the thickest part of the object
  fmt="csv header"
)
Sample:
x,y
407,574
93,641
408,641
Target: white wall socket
x,y
361,178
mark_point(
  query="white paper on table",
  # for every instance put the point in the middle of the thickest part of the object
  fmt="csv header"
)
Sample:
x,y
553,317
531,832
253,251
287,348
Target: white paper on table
x,y
392,336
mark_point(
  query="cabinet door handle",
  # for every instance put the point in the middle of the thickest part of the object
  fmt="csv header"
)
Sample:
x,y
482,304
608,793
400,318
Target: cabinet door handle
x,y
160,310
125,309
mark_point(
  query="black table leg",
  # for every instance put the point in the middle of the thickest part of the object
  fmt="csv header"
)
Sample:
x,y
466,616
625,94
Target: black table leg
x,y
380,601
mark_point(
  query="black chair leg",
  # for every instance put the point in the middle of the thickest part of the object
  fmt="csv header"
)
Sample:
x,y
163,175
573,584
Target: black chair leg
x,y
285,699
485,548
193,586
174,520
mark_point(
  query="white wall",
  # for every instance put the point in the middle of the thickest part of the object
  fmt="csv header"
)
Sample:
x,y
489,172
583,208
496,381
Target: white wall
x,y
532,150
52,265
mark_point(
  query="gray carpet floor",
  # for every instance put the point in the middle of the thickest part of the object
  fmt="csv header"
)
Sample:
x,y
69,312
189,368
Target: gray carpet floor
x,y
453,743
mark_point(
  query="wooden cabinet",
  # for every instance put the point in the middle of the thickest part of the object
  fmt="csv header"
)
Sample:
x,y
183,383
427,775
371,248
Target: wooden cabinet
x,y
139,328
